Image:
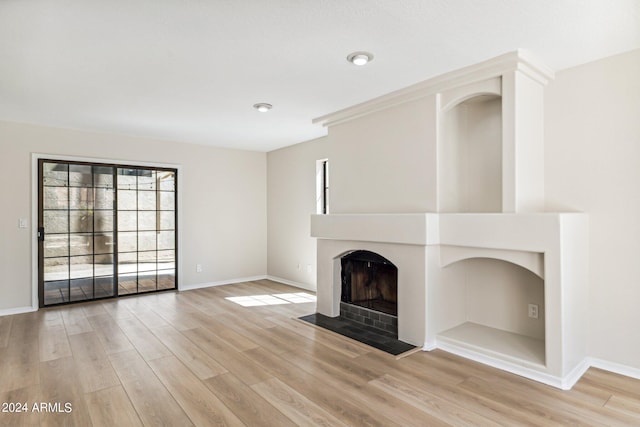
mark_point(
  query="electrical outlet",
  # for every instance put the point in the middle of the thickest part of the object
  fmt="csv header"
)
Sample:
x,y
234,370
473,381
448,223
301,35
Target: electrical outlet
x,y
23,223
533,311
198,268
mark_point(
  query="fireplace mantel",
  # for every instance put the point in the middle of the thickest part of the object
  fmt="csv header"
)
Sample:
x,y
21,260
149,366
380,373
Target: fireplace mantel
x,y
533,232
408,229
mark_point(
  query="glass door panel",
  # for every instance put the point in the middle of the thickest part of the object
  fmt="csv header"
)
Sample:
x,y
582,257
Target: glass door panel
x,y
76,232
146,226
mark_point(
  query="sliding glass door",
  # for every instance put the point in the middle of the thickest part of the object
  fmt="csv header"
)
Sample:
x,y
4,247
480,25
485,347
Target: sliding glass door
x,y
104,231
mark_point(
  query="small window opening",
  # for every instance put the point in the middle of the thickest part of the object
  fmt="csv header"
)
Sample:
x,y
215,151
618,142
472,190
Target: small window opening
x,y
322,186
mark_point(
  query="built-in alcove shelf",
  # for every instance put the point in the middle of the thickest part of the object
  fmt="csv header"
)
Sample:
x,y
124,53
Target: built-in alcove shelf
x,y
470,176
495,343
551,250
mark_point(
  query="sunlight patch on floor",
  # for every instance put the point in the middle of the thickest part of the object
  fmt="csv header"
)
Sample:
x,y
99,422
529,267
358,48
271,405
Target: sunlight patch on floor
x,y
274,299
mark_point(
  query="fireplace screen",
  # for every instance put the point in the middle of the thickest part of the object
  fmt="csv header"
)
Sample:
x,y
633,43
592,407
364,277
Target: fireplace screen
x,y
370,280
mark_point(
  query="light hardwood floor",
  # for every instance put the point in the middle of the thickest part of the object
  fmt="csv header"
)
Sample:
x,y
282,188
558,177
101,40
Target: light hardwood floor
x,y
195,358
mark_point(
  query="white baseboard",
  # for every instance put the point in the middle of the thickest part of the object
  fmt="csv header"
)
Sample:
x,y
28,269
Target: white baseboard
x,y
574,376
616,368
514,368
17,310
20,310
564,383
246,279
220,283
292,283
429,347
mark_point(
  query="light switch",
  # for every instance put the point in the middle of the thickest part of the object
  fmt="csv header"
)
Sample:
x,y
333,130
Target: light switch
x,y
23,223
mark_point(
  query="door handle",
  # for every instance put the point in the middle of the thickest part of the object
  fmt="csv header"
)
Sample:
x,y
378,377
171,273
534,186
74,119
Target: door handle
x,y
41,234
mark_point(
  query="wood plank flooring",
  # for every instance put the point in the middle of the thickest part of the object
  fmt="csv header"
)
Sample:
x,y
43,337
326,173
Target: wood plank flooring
x,y
196,358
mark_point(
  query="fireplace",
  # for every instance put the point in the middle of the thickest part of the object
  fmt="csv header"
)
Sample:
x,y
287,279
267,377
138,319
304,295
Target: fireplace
x,y
368,301
370,281
475,249
440,259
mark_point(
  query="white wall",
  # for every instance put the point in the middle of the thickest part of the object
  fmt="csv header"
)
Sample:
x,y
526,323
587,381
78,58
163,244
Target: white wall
x,y
592,164
223,212
385,162
498,293
291,178
379,163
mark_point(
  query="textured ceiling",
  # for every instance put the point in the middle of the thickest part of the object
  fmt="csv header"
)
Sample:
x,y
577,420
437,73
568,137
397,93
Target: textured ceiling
x,y
190,70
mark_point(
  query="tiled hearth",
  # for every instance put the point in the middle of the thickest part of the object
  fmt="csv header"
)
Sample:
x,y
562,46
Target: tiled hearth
x,y
366,334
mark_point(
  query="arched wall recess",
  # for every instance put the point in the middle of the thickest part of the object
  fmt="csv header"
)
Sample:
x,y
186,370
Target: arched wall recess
x,y
532,261
470,148
496,294
452,97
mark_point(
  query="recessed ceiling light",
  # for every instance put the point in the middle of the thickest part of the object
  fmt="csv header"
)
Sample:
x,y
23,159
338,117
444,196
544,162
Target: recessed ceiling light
x,y
360,58
263,107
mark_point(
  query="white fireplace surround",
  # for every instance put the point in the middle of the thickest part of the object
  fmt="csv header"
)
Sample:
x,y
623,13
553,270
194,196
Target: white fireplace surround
x,y
553,246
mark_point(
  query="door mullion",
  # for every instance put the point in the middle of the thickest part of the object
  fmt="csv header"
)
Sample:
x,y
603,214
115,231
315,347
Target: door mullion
x,y
93,231
69,231
114,210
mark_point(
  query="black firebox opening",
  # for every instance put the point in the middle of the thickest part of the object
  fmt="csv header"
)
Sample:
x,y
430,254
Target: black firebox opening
x,y
371,281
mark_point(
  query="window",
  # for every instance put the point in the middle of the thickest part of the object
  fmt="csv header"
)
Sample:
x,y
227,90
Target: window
x,y
322,186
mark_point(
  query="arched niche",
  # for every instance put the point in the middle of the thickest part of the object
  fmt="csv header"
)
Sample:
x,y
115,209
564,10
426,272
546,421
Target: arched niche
x,y
470,149
497,294
532,261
